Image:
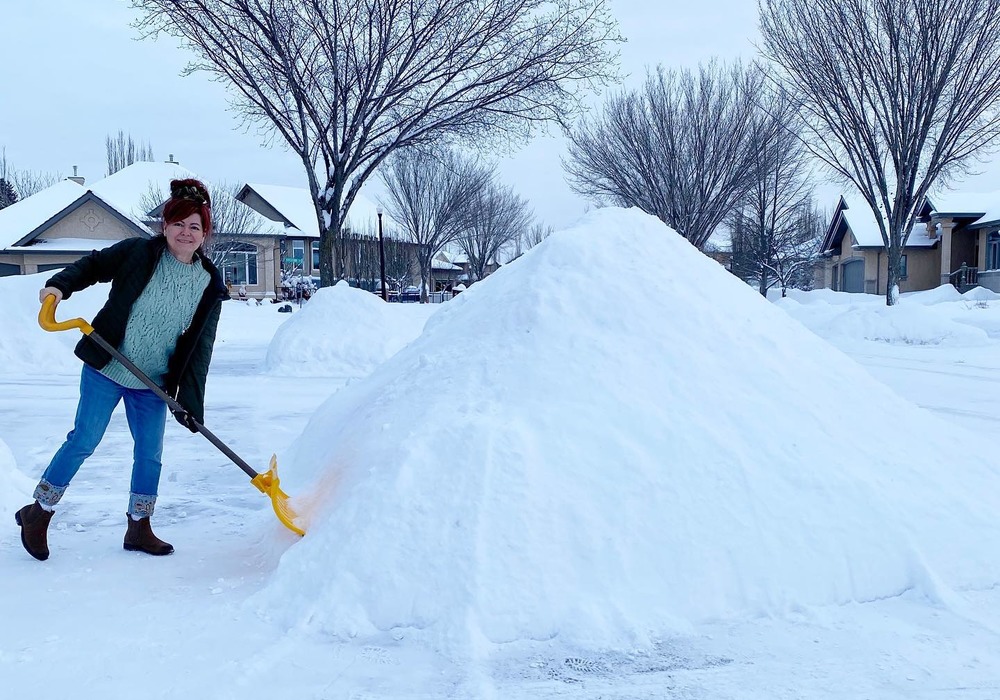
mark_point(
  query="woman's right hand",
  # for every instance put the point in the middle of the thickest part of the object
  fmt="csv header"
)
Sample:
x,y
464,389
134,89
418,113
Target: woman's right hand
x,y
49,291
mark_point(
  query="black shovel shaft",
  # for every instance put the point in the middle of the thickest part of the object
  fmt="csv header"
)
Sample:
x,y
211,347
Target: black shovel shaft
x,y
172,403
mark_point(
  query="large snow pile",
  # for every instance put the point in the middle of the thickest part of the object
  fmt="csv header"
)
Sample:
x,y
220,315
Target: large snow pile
x,y
24,346
612,438
343,332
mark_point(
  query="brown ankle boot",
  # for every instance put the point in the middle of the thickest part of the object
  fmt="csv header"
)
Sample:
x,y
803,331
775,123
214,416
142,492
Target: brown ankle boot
x,y
34,522
140,538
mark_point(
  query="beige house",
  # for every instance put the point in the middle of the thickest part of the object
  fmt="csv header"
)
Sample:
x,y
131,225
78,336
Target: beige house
x,y
855,260
969,228
58,225
62,223
292,208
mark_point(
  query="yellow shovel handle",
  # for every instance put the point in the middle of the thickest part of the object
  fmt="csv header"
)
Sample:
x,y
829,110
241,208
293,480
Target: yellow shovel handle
x,y
47,318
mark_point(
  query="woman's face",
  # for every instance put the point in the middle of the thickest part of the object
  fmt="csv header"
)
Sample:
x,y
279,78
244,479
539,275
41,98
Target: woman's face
x,y
184,237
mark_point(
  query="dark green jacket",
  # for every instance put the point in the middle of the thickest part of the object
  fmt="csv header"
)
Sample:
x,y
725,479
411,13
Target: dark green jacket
x,y
129,266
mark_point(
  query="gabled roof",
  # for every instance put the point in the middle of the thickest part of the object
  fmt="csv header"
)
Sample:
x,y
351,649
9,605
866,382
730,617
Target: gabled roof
x,y
858,218
973,209
293,206
133,187
27,214
26,220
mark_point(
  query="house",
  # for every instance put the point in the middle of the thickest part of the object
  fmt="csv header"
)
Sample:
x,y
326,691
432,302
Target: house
x,y
292,208
969,228
54,227
58,225
956,241
447,270
854,257
260,233
451,267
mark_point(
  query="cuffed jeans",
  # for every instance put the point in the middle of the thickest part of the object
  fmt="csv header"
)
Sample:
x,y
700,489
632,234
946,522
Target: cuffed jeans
x,y
146,414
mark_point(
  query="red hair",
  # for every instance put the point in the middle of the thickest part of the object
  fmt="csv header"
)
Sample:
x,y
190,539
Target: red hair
x,y
189,197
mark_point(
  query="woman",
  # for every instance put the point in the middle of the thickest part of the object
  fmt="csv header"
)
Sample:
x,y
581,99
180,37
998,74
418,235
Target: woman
x,y
162,314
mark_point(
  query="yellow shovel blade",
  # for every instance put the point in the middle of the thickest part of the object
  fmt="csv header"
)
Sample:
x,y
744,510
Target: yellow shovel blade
x,y
268,484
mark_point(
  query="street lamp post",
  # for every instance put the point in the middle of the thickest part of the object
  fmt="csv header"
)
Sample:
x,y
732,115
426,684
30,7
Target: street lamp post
x,y
381,255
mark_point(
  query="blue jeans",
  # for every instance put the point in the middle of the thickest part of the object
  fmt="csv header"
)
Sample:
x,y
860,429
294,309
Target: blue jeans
x,y
146,414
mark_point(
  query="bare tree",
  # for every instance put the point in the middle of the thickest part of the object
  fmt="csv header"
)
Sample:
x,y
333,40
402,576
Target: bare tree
x,y
895,95
497,217
398,267
529,238
345,83
28,182
796,262
785,255
122,151
766,225
428,196
24,183
678,149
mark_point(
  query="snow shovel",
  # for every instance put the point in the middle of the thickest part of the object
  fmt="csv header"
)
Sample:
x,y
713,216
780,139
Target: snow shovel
x,y
266,483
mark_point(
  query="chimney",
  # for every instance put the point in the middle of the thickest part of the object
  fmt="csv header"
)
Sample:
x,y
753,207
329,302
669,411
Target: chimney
x,y
171,160
76,178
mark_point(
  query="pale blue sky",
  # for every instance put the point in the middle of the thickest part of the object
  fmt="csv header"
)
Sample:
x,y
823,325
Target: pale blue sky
x,y
74,72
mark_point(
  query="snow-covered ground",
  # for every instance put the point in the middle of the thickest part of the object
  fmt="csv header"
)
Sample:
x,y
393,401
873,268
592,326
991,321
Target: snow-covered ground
x,y
609,471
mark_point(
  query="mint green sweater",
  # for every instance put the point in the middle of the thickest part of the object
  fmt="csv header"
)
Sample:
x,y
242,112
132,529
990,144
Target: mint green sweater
x,y
158,317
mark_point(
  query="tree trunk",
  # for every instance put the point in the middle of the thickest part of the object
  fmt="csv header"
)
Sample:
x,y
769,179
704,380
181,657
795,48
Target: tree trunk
x,y
330,238
425,279
892,279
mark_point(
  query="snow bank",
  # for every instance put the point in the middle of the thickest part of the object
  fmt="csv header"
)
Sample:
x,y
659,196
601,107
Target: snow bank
x,y
15,487
911,322
939,316
612,438
980,294
343,332
938,295
24,346
824,296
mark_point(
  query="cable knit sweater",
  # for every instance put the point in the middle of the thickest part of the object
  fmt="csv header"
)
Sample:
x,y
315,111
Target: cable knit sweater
x,y
158,317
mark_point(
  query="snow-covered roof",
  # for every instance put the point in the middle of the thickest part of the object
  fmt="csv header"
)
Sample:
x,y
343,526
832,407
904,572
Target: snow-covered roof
x,y
919,238
864,228
126,193
979,207
24,216
456,256
293,203
296,206
130,188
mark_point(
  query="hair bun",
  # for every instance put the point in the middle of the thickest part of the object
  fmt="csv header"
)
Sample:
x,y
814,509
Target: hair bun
x,y
190,189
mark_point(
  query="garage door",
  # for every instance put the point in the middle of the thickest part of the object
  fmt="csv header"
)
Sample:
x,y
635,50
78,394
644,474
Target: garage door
x,y
6,269
853,276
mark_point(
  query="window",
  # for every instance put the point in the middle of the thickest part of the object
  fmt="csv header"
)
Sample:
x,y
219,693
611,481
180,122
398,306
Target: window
x,y
240,264
299,254
315,255
902,267
993,251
